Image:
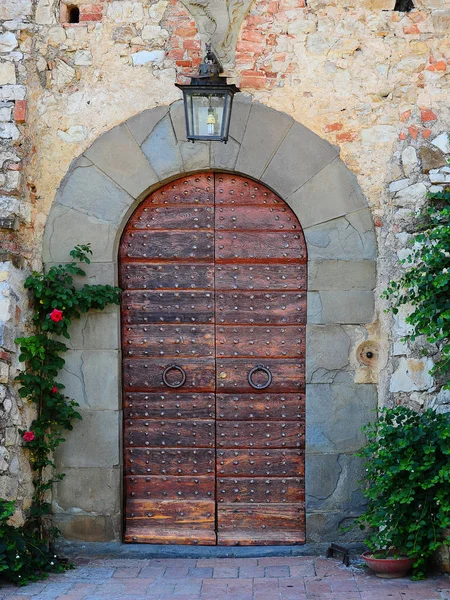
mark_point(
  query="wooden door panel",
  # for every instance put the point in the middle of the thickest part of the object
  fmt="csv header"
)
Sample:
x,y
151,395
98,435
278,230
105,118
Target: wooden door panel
x,y
257,434
160,245
170,307
258,308
147,374
260,406
288,375
147,276
168,335
260,281
141,405
172,433
213,269
170,340
245,246
171,217
169,461
260,489
261,463
169,488
260,276
245,341
255,217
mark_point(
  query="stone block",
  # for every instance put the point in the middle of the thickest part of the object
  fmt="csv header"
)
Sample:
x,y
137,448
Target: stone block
x,y
431,158
335,415
411,195
196,156
412,375
91,378
178,120
67,227
118,155
442,142
351,237
102,273
239,116
88,528
143,124
7,73
341,275
326,527
441,20
100,490
333,482
15,9
299,157
330,194
8,42
328,348
224,156
73,134
92,193
93,442
97,330
161,150
266,128
341,307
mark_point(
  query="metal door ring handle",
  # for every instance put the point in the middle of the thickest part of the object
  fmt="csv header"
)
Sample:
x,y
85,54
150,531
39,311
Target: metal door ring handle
x,y
176,368
260,386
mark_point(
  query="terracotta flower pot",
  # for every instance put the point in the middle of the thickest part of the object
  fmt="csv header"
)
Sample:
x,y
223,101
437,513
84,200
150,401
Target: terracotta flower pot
x,y
390,567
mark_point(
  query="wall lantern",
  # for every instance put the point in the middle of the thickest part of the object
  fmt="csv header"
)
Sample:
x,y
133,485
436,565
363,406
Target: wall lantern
x,y
207,101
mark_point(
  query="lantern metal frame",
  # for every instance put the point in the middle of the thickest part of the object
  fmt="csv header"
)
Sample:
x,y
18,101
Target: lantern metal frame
x,y
208,83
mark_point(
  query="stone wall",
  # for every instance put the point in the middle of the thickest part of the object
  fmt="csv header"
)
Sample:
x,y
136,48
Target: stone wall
x,y
370,80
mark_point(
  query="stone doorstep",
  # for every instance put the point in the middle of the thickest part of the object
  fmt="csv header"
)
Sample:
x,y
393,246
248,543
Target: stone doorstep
x,y
117,550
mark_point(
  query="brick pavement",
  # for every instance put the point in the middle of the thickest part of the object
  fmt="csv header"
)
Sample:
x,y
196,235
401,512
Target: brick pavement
x,y
290,578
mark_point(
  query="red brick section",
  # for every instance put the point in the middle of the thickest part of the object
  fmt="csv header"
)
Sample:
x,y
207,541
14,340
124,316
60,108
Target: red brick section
x,y
91,12
185,46
272,578
20,111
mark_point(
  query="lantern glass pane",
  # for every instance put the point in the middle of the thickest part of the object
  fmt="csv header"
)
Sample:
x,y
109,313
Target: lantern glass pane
x,y
205,114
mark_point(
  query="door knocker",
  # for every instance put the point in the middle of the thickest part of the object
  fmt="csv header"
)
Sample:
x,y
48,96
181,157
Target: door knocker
x,y
260,386
174,368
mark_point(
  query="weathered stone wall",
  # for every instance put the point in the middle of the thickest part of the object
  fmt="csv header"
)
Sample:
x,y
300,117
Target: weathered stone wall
x,y
370,80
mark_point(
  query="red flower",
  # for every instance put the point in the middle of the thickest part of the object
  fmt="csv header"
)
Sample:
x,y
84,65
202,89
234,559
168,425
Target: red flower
x,y
54,389
56,315
28,436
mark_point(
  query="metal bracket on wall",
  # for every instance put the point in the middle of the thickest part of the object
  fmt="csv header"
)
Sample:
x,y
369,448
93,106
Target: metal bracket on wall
x,y
335,548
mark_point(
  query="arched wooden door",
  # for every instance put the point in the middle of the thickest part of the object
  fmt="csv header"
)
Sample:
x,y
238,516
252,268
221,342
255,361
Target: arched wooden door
x,y
213,272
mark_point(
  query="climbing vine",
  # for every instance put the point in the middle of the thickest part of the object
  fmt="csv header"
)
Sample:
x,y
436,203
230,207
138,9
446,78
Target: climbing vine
x,y
425,285
25,553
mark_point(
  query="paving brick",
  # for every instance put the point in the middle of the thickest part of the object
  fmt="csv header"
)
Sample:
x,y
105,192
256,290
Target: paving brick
x,y
200,572
225,572
277,571
175,573
127,573
251,572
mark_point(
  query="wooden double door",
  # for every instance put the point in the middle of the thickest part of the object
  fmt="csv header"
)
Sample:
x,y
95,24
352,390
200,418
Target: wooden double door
x,y
213,272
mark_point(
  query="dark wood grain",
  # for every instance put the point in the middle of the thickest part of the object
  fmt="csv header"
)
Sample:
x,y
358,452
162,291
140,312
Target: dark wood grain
x,y
169,405
255,276
169,340
261,463
160,245
260,489
170,461
170,433
258,308
146,374
268,246
169,487
266,406
258,217
274,434
172,216
173,307
288,375
261,341
148,276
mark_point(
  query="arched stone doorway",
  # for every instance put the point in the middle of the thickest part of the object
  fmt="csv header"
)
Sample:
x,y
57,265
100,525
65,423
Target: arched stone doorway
x,y
102,189
213,272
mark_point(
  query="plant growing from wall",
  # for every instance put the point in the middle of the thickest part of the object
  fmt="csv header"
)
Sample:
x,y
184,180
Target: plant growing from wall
x,y
425,285
56,302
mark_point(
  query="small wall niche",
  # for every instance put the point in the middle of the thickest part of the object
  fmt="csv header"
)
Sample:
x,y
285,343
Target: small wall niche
x,y
69,13
404,5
